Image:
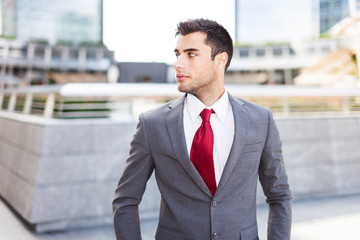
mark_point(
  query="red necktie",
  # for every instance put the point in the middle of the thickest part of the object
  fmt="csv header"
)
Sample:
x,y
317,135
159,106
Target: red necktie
x,y
201,153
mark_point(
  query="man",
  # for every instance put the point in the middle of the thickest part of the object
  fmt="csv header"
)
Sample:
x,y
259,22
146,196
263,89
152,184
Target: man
x,y
208,150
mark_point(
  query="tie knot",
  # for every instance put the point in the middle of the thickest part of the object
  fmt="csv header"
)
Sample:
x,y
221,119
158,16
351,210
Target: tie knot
x,y
205,114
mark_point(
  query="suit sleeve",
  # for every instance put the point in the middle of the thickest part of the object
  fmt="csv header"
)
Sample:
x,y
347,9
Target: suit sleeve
x,y
274,181
138,169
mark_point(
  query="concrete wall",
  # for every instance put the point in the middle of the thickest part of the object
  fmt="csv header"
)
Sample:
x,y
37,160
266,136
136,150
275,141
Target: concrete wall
x,y
61,174
322,155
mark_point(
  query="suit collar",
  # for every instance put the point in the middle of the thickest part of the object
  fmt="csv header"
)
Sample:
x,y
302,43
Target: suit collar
x,y
242,124
175,126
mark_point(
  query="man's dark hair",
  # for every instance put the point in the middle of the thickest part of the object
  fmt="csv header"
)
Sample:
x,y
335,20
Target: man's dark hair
x,y
217,38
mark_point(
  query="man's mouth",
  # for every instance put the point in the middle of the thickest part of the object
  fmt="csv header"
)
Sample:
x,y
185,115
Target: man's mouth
x,y
181,77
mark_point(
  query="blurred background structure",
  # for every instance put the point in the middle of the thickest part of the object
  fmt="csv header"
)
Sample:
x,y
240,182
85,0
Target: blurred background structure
x,y
49,42
68,107
293,42
54,43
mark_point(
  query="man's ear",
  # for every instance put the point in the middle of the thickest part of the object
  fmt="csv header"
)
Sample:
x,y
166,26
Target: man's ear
x,y
221,60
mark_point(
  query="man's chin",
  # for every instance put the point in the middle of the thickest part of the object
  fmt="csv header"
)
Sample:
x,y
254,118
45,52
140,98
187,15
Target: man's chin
x,y
181,88
183,91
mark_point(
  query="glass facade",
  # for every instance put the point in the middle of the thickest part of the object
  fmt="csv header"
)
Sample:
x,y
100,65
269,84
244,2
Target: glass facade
x,y
263,21
332,11
282,20
55,21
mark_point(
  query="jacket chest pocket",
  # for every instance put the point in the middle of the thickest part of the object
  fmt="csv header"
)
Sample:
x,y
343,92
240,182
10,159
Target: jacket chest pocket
x,y
253,147
251,154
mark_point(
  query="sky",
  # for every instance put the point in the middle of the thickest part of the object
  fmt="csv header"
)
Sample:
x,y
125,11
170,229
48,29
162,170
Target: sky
x,y
144,30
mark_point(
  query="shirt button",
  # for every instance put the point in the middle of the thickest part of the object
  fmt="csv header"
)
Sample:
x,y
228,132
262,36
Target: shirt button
x,y
214,203
215,235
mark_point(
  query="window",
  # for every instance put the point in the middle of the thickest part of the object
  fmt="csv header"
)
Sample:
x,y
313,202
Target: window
x,y
277,52
260,52
244,53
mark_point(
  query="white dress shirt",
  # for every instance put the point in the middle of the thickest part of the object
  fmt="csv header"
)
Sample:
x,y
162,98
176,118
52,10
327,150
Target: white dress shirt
x,y
222,124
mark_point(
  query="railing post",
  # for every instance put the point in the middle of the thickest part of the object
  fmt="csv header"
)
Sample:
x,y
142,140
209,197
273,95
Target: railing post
x,y
49,105
12,102
1,99
28,103
131,106
285,106
346,106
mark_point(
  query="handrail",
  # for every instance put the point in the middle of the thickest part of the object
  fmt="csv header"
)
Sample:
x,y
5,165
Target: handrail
x,y
170,89
99,99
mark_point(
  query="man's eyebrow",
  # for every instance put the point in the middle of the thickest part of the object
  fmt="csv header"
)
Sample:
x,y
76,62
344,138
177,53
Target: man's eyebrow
x,y
187,50
191,50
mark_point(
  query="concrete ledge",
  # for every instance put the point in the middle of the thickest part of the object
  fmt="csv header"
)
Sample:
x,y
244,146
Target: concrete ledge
x,y
59,174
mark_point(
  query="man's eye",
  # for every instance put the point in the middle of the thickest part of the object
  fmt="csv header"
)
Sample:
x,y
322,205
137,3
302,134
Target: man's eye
x,y
192,54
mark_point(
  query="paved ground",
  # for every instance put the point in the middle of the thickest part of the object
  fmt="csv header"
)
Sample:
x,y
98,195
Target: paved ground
x,y
318,219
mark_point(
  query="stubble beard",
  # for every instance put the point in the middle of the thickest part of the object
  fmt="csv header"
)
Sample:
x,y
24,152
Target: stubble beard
x,y
193,87
189,87
183,89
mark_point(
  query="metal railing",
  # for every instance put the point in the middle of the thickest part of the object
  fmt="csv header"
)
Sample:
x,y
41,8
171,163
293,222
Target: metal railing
x,y
104,100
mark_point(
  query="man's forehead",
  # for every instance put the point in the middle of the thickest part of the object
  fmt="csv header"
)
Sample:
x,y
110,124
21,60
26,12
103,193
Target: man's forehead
x,y
194,40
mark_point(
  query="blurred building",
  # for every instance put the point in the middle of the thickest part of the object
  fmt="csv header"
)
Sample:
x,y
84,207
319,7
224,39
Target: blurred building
x,y
143,72
340,68
276,64
332,11
337,69
56,21
55,41
267,41
275,40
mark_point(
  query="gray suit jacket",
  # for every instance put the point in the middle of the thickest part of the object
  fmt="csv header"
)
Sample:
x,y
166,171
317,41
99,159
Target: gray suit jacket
x,y
187,209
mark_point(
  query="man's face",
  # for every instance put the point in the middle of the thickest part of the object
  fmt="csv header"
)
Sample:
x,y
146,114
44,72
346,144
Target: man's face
x,y
195,71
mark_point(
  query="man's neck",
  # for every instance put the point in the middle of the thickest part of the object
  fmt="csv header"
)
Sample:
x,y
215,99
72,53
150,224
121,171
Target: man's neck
x,y
209,98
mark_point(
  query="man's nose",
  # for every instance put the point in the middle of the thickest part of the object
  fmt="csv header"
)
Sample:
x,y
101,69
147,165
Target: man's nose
x,y
179,63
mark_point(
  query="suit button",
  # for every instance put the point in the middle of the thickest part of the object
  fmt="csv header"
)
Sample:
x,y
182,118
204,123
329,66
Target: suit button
x,y
215,235
214,203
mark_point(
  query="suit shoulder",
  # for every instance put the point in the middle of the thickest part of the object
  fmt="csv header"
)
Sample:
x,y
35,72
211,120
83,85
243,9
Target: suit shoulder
x,y
252,106
157,113
256,112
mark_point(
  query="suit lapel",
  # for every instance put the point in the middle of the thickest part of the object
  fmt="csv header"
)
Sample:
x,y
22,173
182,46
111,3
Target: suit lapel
x,y
242,123
175,126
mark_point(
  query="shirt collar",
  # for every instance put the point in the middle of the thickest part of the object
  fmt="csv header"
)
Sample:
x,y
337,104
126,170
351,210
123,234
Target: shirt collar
x,y
195,106
221,106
